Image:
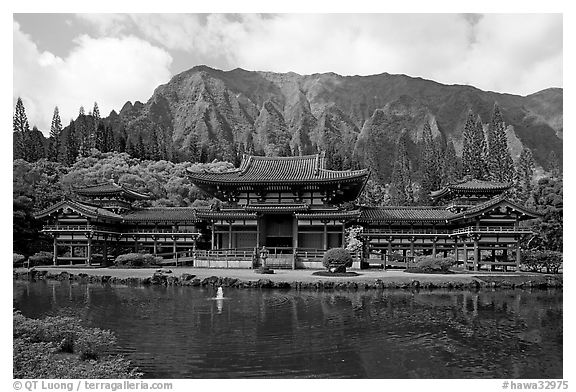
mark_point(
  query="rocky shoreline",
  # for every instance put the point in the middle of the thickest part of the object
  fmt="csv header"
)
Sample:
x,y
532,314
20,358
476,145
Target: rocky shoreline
x,y
166,278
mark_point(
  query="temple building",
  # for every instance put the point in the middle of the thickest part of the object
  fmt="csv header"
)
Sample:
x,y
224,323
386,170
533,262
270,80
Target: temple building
x,y
297,209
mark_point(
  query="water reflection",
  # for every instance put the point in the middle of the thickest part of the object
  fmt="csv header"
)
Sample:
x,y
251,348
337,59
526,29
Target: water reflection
x,y
177,332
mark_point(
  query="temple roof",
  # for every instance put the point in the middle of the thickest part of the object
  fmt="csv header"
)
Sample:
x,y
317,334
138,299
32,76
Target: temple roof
x,y
291,170
471,185
396,214
88,210
111,189
162,214
494,203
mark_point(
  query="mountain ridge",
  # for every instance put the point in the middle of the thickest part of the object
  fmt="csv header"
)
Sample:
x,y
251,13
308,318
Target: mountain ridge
x,y
272,113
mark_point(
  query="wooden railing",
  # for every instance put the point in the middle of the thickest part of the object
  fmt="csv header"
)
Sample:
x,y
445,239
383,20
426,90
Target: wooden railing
x,y
469,229
406,231
492,229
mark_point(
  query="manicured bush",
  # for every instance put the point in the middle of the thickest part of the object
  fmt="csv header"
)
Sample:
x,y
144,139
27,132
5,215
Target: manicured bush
x,y
60,347
18,259
428,264
137,260
542,260
337,259
41,258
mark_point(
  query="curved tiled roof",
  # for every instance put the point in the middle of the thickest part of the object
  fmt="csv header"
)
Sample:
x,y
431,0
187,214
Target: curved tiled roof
x,y
111,188
397,213
257,169
162,214
472,185
85,209
491,204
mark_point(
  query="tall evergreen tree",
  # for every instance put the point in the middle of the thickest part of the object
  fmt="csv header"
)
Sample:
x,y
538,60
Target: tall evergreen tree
x,y
140,148
431,166
498,159
401,189
524,176
473,151
120,140
451,170
36,148
154,146
70,145
553,165
96,112
55,137
21,130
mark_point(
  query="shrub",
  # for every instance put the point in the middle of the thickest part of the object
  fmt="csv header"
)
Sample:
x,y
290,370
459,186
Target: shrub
x,y
434,264
40,346
537,260
18,259
137,260
40,258
338,259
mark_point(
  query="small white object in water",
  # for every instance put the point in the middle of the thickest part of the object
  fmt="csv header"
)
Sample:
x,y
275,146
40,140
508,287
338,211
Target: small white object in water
x,y
220,293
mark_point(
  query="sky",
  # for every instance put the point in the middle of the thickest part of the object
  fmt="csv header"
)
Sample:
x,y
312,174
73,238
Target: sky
x,y
73,60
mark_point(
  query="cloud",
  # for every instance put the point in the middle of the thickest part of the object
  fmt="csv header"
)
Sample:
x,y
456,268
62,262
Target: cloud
x,y
508,53
107,70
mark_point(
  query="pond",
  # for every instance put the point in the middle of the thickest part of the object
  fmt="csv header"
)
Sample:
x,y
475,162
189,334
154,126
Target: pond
x,y
182,332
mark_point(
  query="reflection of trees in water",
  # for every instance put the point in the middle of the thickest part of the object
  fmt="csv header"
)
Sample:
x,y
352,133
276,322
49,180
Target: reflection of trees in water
x,y
178,332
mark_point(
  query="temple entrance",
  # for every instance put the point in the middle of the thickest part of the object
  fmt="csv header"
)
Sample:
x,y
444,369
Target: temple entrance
x,y
278,239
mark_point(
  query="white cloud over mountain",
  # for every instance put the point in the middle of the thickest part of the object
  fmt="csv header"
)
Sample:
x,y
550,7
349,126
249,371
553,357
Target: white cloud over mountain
x,y
519,54
108,70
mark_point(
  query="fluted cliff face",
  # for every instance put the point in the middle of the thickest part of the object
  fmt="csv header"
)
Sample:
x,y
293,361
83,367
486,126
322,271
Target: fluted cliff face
x,y
356,117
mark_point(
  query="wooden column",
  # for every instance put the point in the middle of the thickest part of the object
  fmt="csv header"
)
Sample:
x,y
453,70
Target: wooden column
x,y
71,253
294,241
105,250
465,252
229,234
175,249
89,251
434,246
388,251
493,267
155,250
213,239
55,256
456,248
325,236
412,239
518,255
343,234
476,253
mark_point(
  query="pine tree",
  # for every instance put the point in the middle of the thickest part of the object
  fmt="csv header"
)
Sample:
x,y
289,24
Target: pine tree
x,y
119,143
154,147
194,148
131,147
451,171
401,190
96,112
55,136
100,137
524,175
431,166
473,150
140,148
36,149
553,165
70,145
499,161
21,130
